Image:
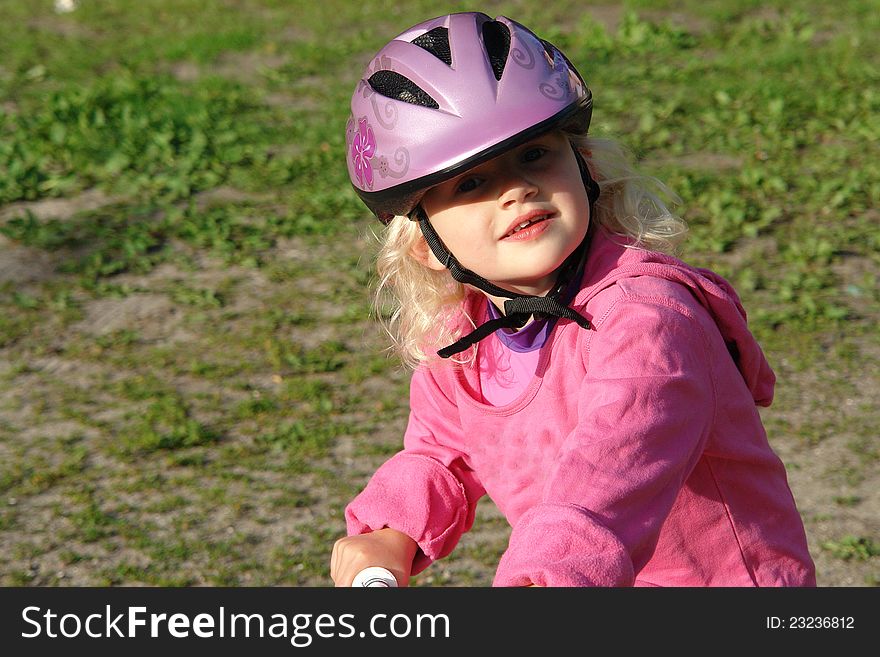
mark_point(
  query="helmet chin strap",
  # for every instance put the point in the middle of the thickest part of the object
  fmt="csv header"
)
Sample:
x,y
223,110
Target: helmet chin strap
x,y
518,307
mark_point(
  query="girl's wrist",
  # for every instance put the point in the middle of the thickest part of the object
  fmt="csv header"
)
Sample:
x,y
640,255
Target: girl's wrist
x,y
399,541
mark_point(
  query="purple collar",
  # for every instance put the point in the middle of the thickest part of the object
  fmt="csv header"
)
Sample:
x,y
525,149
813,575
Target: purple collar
x,y
534,335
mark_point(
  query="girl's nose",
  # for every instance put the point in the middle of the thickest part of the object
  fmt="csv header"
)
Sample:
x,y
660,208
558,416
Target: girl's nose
x,y
516,190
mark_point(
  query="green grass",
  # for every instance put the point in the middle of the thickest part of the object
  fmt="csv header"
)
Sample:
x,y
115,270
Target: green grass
x,y
212,432
853,547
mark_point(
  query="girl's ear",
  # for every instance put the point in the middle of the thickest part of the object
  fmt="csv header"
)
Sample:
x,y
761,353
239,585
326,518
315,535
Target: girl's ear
x,y
419,251
422,254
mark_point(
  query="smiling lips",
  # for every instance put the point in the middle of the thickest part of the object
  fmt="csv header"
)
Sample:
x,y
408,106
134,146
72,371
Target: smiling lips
x,y
526,225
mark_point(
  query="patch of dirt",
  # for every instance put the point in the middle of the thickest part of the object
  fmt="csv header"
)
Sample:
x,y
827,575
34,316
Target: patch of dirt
x,y
186,71
22,264
608,16
247,65
300,101
153,317
241,66
62,26
684,21
860,280
59,208
700,161
226,195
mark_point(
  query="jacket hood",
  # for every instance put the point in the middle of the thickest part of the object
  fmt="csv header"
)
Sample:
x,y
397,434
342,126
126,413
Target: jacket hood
x,y
609,260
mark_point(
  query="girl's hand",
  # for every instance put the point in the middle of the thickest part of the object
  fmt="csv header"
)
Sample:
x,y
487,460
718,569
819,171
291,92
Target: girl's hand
x,y
387,547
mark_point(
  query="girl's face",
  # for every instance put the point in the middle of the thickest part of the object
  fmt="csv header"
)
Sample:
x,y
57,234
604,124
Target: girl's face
x,y
514,219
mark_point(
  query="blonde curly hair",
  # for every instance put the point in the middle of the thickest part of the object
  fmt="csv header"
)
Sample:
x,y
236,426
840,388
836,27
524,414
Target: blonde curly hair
x,y
423,309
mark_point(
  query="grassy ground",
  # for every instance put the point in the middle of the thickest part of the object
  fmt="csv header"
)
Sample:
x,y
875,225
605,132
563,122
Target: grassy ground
x,y
191,387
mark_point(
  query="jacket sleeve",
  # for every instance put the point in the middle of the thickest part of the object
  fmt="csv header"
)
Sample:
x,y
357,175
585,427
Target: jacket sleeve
x,y
427,490
644,415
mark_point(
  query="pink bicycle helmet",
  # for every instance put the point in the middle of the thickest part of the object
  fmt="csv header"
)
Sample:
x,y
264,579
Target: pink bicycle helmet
x,y
451,93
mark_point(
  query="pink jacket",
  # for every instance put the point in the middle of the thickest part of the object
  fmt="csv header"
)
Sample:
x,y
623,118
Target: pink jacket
x,y
635,457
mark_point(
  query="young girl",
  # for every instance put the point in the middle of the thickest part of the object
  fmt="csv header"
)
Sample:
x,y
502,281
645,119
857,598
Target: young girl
x,y
600,391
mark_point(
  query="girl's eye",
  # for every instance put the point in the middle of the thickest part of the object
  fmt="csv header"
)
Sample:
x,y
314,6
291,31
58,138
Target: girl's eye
x,y
533,154
468,185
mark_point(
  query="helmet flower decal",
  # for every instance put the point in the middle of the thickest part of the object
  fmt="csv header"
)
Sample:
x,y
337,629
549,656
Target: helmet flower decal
x,y
363,148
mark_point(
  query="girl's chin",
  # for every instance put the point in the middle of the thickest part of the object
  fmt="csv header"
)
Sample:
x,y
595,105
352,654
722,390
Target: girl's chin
x,y
538,284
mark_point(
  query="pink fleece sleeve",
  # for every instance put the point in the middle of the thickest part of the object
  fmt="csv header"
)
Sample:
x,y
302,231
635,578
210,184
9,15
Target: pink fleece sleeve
x,y
645,411
427,491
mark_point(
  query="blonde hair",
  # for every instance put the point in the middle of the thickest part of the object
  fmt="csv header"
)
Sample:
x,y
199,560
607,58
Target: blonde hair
x,y
423,310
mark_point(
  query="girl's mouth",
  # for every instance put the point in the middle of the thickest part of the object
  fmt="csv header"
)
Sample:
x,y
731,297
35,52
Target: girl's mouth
x,y
528,225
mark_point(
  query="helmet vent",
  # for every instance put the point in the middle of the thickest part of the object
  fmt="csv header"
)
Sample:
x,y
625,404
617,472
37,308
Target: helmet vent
x,y
496,37
396,86
436,42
